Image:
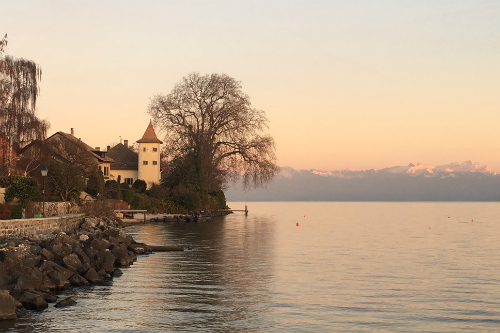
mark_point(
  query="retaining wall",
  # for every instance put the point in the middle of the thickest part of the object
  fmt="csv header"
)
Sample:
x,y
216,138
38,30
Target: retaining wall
x,y
26,227
53,208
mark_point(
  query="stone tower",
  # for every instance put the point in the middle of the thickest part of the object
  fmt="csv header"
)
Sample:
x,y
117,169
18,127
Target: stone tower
x,y
149,157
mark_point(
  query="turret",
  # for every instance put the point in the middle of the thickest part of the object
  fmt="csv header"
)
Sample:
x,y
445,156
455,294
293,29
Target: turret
x,y
149,157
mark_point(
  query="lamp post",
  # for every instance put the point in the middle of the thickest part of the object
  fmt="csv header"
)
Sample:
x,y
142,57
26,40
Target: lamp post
x,y
45,171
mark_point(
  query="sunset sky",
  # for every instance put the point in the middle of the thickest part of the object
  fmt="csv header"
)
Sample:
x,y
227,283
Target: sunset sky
x,y
345,84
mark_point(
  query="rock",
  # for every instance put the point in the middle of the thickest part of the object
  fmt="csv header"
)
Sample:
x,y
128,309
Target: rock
x,y
92,276
47,255
140,248
122,257
117,272
4,276
21,283
89,223
105,260
32,301
50,298
72,262
68,301
78,280
7,306
137,248
59,252
56,277
100,244
83,238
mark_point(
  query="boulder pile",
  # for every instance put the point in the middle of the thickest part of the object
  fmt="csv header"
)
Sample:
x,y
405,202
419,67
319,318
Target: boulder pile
x,y
34,269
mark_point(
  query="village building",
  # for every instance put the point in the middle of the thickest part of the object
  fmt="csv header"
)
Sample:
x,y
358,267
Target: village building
x,y
144,165
66,147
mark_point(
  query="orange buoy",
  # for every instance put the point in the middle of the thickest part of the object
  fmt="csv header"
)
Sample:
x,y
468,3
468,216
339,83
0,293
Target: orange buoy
x,y
297,224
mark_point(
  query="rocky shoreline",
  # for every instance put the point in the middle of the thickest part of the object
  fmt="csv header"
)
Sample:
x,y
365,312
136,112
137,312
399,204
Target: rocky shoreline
x,y
34,269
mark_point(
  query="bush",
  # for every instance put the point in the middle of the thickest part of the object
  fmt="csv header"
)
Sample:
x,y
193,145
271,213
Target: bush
x,y
17,211
22,188
189,200
99,208
220,199
128,196
140,186
111,189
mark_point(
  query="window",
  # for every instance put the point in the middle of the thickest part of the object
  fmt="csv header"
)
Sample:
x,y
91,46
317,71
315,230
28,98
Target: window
x,y
144,162
144,149
129,181
106,171
155,162
155,149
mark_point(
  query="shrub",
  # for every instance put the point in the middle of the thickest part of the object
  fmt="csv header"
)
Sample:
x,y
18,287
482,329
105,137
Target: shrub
x,y
220,199
99,208
22,188
128,195
140,186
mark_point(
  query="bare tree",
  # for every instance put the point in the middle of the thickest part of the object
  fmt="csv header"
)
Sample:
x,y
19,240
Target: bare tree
x,y
18,94
209,120
69,167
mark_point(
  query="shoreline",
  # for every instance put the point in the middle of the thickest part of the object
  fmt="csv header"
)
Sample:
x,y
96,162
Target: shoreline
x,y
34,269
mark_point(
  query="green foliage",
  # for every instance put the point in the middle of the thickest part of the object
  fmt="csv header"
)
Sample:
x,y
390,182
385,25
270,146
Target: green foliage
x,y
220,199
17,212
111,189
95,183
140,186
119,188
183,173
189,200
22,188
128,195
142,201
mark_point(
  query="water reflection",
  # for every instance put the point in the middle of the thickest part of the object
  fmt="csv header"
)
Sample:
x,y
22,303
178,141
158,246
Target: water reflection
x,y
384,267
224,278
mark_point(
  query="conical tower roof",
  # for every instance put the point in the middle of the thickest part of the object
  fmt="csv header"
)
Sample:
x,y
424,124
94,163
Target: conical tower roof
x,y
149,136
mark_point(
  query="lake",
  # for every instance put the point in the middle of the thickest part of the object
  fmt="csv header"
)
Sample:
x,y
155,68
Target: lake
x,y
346,267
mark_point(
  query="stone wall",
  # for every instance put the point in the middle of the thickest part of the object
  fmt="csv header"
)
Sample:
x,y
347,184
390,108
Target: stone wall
x,y
53,208
27,227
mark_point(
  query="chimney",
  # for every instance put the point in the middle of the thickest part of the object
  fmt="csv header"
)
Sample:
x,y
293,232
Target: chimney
x,y
125,143
72,131
98,148
108,148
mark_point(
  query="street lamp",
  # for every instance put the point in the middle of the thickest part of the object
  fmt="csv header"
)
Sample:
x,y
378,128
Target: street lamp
x,y
45,171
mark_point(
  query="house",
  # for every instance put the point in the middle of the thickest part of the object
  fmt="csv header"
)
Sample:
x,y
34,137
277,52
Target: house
x,y
66,147
144,165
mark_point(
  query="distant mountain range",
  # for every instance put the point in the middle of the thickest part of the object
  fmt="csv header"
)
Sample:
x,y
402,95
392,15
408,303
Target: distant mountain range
x,y
464,181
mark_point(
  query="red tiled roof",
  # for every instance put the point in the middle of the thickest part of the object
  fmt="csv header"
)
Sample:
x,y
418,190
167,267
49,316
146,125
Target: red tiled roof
x,y
149,136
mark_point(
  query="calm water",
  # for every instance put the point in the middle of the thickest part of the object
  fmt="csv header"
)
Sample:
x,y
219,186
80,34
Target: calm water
x,y
347,267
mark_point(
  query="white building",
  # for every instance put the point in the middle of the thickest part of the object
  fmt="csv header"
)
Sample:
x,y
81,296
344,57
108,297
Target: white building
x,y
131,166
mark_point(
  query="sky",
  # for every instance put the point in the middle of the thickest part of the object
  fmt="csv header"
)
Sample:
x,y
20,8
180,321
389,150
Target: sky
x,y
345,84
